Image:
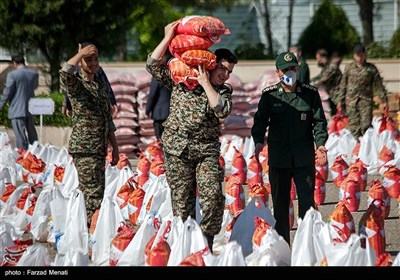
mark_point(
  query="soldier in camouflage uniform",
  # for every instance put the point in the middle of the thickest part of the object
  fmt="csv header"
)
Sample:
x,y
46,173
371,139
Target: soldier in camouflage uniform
x,y
328,79
360,82
191,136
297,132
92,125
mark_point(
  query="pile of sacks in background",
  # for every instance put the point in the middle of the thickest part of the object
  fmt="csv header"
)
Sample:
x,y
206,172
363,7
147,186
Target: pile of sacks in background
x,y
43,216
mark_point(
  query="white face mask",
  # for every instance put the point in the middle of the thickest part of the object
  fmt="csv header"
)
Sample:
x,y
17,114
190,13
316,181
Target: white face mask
x,y
289,78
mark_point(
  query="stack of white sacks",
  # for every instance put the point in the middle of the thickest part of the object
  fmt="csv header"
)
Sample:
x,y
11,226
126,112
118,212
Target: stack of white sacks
x,y
158,238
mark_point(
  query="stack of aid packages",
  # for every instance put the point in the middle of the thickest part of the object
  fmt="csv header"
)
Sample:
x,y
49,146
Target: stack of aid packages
x,y
194,35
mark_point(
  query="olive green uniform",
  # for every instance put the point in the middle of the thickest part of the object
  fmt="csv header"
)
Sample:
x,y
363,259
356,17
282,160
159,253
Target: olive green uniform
x,y
295,121
356,91
91,123
192,148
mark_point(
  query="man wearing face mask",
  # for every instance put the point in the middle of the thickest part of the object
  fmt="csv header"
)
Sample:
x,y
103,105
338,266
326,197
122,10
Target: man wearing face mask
x,y
297,132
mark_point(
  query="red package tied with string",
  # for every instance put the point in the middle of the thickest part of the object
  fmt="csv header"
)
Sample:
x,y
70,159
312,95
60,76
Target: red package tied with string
x,y
204,26
121,240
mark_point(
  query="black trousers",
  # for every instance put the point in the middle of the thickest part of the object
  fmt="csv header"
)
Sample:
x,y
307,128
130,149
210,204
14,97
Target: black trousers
x,y
280,180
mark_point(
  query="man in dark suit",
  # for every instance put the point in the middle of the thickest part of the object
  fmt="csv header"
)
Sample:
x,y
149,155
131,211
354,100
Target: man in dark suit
x,y
157,106
20,88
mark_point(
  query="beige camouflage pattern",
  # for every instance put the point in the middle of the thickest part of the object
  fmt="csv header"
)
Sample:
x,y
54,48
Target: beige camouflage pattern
x,y
192,148
356,91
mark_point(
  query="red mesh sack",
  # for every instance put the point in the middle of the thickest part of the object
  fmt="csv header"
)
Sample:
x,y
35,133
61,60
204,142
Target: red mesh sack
x,y
194,58
182,73
349,193
339,170
234,195
207,26
320,189
135,203
143,170
384,156
378,194
254,172
363,173
338,122
342,220
391,181
239,166
293,193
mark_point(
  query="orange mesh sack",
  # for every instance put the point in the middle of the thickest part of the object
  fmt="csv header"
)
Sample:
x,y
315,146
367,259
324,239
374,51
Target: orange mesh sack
x,y
121,240
195,57
183,42
156,166
158,255
372,225
125,192
342,220
205,26
293,193
379,195
339,170
10,188
182,73
384,156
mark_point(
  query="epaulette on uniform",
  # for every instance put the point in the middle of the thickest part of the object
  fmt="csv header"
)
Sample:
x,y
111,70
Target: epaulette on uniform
x,y
309,86
270,88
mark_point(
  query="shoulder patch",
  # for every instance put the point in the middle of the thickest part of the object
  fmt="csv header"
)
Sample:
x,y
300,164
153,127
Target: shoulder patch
x,y
309,86
270,88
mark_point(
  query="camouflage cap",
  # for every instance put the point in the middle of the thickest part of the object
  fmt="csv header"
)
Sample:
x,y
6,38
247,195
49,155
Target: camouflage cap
x,y
285,60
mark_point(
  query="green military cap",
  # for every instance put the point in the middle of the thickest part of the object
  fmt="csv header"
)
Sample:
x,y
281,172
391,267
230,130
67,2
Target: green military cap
x,y
285,60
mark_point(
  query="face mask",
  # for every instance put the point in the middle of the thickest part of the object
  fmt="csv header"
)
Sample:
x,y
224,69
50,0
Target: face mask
x,y
289,78
295,54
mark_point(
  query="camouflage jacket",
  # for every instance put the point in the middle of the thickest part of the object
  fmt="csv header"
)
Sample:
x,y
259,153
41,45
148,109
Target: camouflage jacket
x,y
91,114
191,123
361,83
329,78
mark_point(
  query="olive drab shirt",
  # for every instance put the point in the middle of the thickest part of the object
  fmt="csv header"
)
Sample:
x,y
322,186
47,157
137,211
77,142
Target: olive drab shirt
x,y
295,121
361,83
191,123
91,115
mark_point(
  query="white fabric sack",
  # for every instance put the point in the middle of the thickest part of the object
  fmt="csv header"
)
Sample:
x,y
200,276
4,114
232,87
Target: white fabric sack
x,y
35,255
304,248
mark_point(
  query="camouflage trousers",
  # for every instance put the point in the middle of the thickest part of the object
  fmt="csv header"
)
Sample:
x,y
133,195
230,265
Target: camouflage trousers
x,y
360,117
182,175
91,174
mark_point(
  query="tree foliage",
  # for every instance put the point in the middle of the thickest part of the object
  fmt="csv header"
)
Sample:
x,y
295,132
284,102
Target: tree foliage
x,y
329,29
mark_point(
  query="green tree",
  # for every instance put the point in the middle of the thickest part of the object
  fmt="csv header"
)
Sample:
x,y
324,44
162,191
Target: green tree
x,y
329,29
54,28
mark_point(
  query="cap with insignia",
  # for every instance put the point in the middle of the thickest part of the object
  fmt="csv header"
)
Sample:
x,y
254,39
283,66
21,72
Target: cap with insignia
x,y
285,60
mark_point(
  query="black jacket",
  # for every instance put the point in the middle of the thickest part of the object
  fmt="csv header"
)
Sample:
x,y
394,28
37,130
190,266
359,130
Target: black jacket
x,y
157,106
